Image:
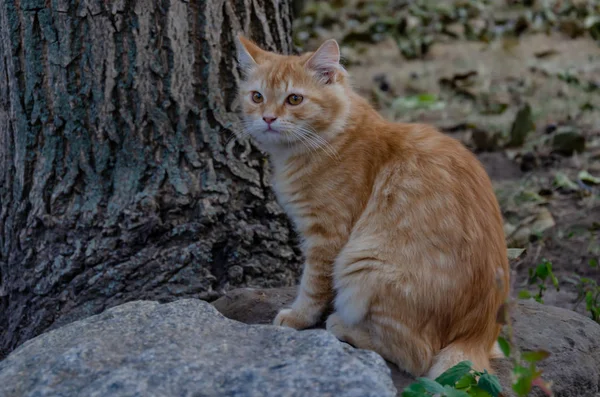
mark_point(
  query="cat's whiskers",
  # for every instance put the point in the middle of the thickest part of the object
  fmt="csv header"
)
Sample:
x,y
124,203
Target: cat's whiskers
x,y
307,136
237,136
240,129
319,141
290,128
317,138
311,146
310,140
303,134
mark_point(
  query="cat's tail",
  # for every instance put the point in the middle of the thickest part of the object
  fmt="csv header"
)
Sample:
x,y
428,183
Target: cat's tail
x,y
457,352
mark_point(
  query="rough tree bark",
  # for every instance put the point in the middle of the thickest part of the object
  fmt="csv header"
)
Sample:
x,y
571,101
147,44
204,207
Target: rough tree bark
x,y
117,179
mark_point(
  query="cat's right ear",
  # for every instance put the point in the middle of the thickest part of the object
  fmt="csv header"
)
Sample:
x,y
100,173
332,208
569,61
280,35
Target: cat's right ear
x,y
326,62
248,53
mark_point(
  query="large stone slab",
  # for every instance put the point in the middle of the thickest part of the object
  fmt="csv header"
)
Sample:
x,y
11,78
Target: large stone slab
x,y
186,348
572,339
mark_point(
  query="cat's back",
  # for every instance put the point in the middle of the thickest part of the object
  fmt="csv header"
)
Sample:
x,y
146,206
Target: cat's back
x,y
437,158
437,185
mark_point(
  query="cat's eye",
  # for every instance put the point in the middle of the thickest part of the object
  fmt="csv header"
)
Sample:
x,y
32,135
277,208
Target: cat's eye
x,y
257,97
295,99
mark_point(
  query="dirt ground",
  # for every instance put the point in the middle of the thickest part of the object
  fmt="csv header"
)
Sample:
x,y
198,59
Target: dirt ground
x,y
516,82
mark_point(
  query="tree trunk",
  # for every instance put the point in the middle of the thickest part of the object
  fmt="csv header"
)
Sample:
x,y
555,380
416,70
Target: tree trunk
x,y
118,178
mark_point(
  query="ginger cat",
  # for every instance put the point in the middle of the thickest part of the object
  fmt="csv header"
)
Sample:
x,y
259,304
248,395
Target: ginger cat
x,y
401,228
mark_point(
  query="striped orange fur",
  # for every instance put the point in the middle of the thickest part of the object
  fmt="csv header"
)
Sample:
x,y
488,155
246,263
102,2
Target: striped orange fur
x,y
400,227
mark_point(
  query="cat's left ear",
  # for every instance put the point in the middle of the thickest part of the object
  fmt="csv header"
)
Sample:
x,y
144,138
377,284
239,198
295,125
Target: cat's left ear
x,y
249,55
326,61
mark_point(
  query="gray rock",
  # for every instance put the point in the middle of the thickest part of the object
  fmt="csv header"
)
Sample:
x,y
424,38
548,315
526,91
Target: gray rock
x,y
572,339
186,348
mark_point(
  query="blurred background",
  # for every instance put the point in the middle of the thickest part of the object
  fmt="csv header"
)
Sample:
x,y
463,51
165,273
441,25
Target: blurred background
x,y
518,82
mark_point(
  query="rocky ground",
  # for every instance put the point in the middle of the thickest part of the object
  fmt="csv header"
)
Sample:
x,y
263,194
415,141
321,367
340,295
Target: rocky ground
x,y
518,82
187,348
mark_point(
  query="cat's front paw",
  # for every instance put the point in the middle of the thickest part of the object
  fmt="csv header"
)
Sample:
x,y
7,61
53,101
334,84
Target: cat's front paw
x,y
293,319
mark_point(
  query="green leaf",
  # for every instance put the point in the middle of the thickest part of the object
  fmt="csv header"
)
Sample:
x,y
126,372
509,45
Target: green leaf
x,y
424,98
529,196
504,346
522,386
554,281
543,269
593,262
466,381
567,141
431,386
589,300
522,126
476,391
587,280
586,177
595,314
514,253
415,390
535,356
427,101
452,392
524,294
563,181
490,383
520,370
454,374
532,275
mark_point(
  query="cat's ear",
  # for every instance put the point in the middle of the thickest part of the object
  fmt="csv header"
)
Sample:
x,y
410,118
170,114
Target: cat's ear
x,y
326,61
249,55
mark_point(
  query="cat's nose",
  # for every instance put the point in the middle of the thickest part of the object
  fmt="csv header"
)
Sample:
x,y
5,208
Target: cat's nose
x,y
269,120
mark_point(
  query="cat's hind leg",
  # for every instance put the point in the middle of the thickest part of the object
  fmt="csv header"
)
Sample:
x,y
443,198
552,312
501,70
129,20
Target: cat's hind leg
x,y
457,352
364,318
406,347
374,293
410,354
357,335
